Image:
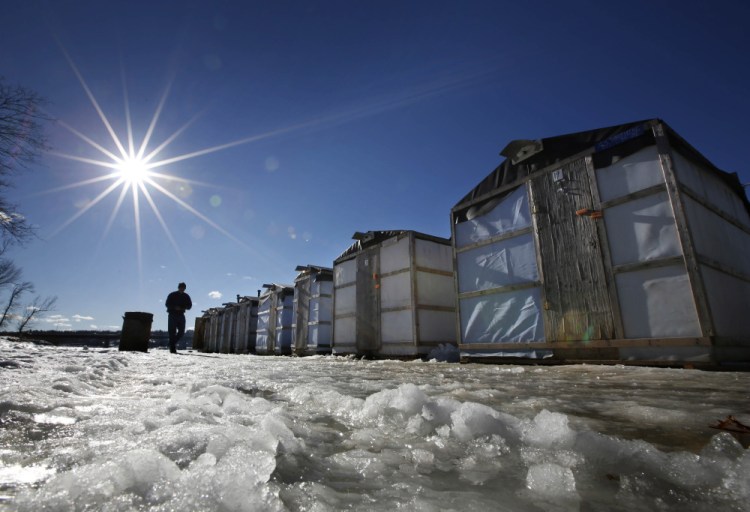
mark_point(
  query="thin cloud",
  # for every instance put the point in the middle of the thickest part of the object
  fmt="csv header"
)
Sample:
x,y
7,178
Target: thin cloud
x,y
214,294
80,318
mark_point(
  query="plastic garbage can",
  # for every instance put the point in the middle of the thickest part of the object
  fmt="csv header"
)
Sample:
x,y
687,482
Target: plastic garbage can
x,y
136,331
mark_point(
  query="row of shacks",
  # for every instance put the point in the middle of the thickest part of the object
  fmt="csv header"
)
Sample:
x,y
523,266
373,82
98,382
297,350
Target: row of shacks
x,y
616,244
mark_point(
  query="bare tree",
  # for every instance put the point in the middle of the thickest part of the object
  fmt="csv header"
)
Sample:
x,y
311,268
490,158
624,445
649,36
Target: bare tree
x,y
12,304
21,141
9,272
37,306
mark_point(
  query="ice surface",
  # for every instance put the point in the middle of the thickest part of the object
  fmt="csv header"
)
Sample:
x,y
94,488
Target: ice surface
x,y
109,430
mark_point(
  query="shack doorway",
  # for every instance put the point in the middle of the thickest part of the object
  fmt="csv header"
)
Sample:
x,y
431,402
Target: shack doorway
x,y
368,301
577,304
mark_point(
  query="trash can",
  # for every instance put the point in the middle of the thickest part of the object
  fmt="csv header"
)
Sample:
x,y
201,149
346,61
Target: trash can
x,y
136,331
199,333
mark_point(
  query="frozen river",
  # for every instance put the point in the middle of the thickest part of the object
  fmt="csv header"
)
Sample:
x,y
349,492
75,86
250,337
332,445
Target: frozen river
x,y
99,429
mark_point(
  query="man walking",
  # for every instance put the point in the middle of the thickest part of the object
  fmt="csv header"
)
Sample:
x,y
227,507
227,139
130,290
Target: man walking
x,y
177,303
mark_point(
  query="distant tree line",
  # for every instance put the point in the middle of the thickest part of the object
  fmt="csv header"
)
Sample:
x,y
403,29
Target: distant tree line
x,y
22,140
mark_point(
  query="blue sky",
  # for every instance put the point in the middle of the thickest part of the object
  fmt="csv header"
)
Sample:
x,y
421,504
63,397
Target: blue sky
x,y
337,116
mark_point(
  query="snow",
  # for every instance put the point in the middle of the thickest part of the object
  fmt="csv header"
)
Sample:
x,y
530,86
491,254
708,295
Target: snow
x,y
99,429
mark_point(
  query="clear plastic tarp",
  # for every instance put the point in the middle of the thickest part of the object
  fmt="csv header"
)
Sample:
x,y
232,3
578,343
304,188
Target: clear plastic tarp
x,y
510,214
635,172
508,317
642,230
502,263
657,303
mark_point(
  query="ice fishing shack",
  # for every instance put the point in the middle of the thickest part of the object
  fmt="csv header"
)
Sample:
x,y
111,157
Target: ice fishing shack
x,y
275,316
615,244
227,329
393,295
313,310
211,329
246,324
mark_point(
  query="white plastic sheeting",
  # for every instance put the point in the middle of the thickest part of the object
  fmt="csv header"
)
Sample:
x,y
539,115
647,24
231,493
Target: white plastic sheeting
x,y
510,214
435,290
635,172
263,338
436,326
395,291
642,230
414,274
320,315
345,272
718,239
502,263
345,333
505,316
346,300
394,255
728,298
284,323
432,255
509,317
320,302
657,303
396,326
707,185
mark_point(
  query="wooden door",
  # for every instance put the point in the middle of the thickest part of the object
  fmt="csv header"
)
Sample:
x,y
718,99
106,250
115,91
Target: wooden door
x,y
302,317
368,301
577,303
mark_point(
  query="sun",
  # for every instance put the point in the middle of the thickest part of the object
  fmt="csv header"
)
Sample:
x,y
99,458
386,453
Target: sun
x,y
133,171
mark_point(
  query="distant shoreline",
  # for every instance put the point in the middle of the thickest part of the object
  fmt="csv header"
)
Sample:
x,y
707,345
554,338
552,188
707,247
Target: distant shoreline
x,y
93,338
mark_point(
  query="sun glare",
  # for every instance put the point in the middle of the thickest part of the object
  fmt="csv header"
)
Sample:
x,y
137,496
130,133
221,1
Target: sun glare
x,y
133,170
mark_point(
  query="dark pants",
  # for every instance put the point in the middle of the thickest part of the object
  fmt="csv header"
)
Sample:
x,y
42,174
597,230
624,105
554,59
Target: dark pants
x,y
176,328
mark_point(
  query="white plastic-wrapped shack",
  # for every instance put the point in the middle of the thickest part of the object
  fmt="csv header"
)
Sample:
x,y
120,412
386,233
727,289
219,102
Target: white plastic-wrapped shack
x,y
246,324
616,244
227,330
313,310
275,316
212,329
394,295
199,332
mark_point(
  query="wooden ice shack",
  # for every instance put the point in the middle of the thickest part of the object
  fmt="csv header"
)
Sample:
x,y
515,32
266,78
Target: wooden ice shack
x,y
313,310
393,295
275,317
616,244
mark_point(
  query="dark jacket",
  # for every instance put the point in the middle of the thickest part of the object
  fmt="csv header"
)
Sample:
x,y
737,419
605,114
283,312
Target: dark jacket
x,y
178,302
